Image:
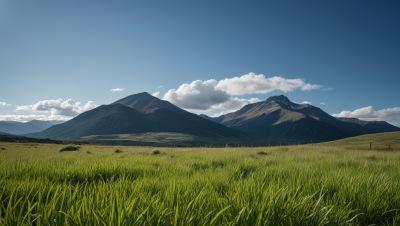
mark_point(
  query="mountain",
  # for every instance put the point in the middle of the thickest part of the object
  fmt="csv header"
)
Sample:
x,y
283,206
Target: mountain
x,y
279,119
378,126
141,113
41,124
27,127
103,120
12,128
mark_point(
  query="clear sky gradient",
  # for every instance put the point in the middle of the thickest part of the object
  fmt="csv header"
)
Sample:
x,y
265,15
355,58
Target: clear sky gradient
x,y
80,50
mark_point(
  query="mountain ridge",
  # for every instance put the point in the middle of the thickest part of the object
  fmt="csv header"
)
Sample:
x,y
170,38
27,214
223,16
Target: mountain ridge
x,y
260,119
140,113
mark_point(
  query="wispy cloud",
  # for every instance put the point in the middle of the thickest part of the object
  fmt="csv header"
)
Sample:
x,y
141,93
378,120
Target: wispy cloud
x,y
369,114
117,90
326,89
2,104
160,86
156,94
59,109
322,103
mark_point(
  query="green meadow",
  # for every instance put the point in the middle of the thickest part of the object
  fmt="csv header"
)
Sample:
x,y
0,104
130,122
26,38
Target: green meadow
x,y
286,185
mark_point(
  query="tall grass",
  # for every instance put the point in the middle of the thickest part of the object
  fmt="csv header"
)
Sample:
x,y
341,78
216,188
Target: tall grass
x,y
198,186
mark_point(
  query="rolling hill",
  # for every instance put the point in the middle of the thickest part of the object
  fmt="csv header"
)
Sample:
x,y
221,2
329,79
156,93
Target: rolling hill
x,y
11,128
279,119
142,113
379,141
20,128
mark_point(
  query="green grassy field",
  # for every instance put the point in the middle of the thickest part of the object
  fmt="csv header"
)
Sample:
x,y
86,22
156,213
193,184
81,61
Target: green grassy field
x,y
379,141
296,185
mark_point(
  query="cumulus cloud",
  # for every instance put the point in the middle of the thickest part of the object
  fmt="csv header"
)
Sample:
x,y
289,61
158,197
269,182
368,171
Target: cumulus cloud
x,y
117,90
306,102
197,95
156,94
204,96
2,104
322,103
59,109
369,114
160,86
212,94
252,83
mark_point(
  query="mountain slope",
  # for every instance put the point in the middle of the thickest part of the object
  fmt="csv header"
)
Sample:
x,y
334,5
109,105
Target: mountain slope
x,y
40,124
146,103
278,118
31,126
103,120
12,128
170,118
377,126
142,113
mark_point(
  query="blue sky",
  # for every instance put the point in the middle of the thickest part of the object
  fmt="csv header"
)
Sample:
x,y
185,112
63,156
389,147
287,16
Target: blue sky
x,y
60,58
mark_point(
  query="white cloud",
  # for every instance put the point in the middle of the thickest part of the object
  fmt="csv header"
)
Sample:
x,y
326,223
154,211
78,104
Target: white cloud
x,y
59,109
2,104
212,94
204,96
117,90
156,94
368,114
252,83
322,103
306,102
329,88
160,86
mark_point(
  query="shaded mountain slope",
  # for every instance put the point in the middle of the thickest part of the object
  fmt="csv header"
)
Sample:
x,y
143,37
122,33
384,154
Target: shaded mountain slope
x,y
41,124
377,126
170,118
33,126
12,128
146,103
142,113
278,118
103,120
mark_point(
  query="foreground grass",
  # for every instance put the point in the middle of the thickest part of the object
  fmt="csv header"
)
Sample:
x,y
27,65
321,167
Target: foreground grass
x,y
298,185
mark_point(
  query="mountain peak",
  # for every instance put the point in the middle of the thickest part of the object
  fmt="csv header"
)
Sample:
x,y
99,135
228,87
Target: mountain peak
x,y
145,102
280,98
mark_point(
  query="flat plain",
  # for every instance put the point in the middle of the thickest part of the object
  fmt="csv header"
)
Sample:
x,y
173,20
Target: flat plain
x,y
284,185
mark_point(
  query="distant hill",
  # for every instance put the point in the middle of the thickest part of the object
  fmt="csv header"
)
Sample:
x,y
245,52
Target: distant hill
x,y
379,141
142,113
33,126
11,128
377,126
2,133
279,119
40,124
